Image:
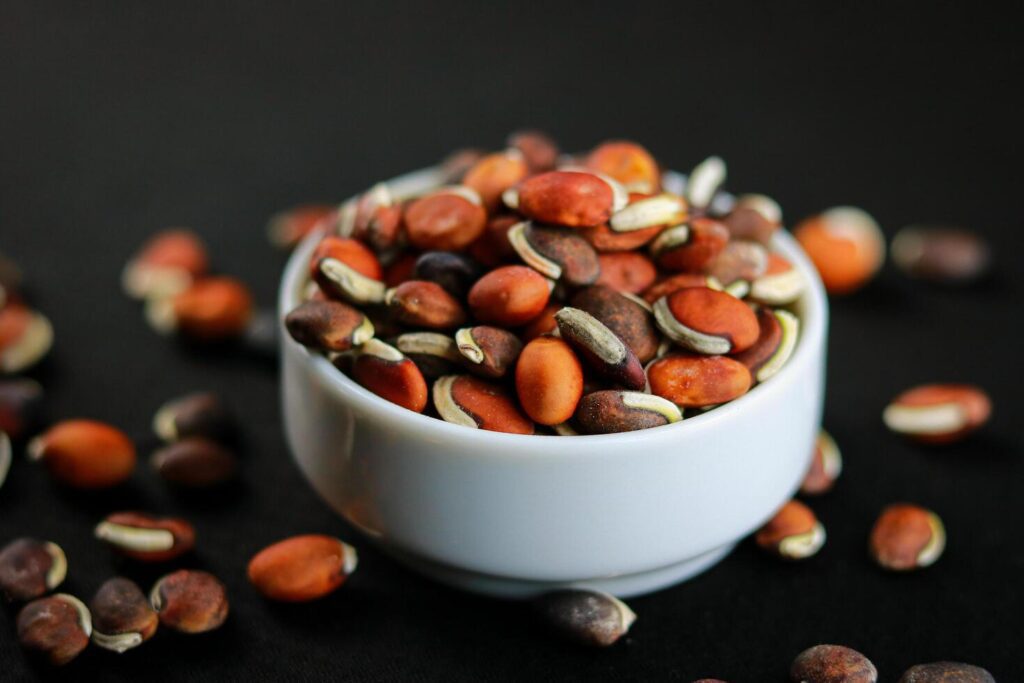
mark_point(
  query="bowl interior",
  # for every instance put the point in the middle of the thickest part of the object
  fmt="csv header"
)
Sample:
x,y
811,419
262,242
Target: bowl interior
x,y
811,308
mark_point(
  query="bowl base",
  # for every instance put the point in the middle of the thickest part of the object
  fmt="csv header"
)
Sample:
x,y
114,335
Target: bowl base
x,y
622,585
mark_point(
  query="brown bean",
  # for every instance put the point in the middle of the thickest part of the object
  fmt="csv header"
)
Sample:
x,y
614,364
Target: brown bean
x,y
692,247
556,253
570,198
624,316
778,331
122,617
846,246
376,219
611,411
455,272
585,617
85,454
946,672
628,163
626,271
328,326
302,568
201,413
488,351
509,296
601,348
190,601
479,404
832,664
907,537
29,569
938,413
707,321
26,336
20,406
419,303
695,381
211,309
945,255
549,380
165,265
826,466
195,462
449,219
385,371
494,173
794,533
56,628
287,228
539,151
146,538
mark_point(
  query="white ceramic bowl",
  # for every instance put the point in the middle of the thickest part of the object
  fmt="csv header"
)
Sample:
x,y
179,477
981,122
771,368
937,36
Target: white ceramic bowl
x,y
515,515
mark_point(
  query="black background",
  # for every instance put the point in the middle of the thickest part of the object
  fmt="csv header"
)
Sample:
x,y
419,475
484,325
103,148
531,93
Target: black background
x,y
119,119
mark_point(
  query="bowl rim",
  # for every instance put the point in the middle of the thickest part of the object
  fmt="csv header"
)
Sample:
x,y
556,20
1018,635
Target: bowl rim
x,y
809,349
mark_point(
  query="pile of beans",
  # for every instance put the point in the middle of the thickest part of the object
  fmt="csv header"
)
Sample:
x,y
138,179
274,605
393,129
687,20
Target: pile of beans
x,y
537,292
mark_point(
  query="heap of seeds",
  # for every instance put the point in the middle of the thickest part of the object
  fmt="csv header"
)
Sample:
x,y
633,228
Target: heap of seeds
x,y
540,292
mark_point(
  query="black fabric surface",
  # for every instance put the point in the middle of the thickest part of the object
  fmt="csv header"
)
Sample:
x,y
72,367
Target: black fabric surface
x,y
119,119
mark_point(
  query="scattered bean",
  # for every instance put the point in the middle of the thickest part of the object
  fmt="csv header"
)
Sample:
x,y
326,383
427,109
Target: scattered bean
x,y
846,246
146,538
946,672
30,569
211,309
832,664
586,617
165,265
198,414
938,413
907,537
794,533
288,228
56,628
826,466
84,454
26,336
302,568
122,617
945,255
195,462
190,601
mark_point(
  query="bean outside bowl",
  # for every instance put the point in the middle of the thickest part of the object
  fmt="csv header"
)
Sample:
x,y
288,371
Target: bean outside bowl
x,y
513,515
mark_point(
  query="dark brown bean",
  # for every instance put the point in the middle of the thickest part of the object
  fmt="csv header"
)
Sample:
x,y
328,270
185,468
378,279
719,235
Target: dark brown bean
x,y
56,628
190,601
946,672
30,569
199,414
122,617
586,617
195,462
832,664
